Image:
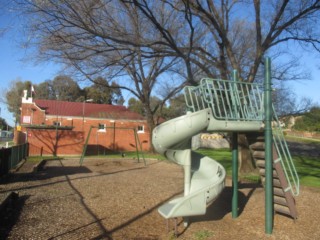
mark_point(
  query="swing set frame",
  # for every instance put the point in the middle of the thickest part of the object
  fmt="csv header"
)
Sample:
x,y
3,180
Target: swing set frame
x,y
136,138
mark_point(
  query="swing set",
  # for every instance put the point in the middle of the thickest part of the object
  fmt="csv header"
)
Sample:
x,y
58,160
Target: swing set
x,y
136,139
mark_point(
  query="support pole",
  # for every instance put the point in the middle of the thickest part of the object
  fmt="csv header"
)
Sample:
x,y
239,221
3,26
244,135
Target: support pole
x,y
234,160
268,149
234,175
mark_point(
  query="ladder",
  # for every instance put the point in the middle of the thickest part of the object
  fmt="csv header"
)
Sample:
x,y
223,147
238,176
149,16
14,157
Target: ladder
x,y
283,193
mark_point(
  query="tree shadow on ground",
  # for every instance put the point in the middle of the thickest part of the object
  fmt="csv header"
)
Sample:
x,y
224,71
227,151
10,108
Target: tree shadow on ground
x,y
46,173
10,214
223,205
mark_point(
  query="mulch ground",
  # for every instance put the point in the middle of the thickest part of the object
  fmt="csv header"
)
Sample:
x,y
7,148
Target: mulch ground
x,y
118,199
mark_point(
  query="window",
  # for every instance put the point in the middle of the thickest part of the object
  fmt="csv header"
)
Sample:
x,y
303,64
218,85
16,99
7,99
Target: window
x,y
140,129
57,124
101,127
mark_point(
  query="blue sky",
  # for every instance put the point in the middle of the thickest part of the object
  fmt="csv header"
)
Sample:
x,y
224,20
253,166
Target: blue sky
x,y
13,67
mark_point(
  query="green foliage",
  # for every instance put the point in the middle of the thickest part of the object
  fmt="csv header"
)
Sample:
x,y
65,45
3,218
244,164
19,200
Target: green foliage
x,y
65,88
176,108
135,106
4,125
309,122
62,88
203,234
14,96
103,93
44,91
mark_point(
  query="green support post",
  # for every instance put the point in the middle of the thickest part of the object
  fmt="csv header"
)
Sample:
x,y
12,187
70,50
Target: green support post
x,y
268,149
234,175
234,163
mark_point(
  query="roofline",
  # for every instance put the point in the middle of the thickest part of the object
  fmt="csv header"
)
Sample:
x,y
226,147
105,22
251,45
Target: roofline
x,y
93,118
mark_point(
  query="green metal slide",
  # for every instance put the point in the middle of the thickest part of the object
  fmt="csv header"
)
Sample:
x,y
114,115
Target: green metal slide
x,y
238,107
203,177
214,106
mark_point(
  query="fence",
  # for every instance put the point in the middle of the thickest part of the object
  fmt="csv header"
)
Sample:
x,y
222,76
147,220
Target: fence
x,y
11,157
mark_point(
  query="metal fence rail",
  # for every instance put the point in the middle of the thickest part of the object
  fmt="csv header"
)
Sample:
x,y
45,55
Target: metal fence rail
x,y
11,157
229,100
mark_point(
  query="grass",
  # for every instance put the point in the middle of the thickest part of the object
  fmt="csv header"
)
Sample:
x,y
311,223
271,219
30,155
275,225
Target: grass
x,y
302,140
203,234
36,159
132,155
308,169
223,156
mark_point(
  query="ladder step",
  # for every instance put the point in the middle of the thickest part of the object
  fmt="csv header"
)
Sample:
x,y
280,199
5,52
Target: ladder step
x,y
262,172
276,182
282,209
278,192
280,200
258,154
258,146
261,163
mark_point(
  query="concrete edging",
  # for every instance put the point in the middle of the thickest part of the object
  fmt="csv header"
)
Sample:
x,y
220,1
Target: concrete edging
x,y
39,166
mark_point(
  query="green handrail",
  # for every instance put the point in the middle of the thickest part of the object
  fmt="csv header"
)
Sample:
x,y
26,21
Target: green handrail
x,y
285,157
229,100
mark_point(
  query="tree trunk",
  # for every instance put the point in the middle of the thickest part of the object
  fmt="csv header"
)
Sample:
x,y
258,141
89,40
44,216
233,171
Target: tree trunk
x,y
245,158
151,125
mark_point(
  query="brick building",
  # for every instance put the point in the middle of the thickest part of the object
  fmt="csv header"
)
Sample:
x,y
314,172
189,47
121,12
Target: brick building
x,y
53,127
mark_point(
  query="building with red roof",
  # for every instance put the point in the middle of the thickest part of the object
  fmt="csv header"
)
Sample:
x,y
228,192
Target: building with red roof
x,y
53,127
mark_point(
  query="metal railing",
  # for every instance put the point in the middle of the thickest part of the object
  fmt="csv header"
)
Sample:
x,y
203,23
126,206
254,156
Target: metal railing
x,y
285,157
11,157
229,100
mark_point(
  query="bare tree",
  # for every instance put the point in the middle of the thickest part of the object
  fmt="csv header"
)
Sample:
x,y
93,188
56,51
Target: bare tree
x,y
137,42
111,39
224,35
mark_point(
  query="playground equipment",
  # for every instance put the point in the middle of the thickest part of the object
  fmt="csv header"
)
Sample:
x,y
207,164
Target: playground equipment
x,y
217,105
136,139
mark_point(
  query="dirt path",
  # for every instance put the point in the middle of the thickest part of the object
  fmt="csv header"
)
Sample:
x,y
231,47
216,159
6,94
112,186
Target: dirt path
x,y
118,199
306,149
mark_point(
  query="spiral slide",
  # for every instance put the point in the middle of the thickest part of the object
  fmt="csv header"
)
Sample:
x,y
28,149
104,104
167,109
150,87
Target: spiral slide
x,y
204,178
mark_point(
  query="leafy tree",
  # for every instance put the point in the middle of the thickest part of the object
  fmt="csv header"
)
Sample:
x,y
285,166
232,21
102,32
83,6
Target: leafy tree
x,y
102,92
65,88
176,108
135,105
4,125
62,87
14,97
44,90
309,121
